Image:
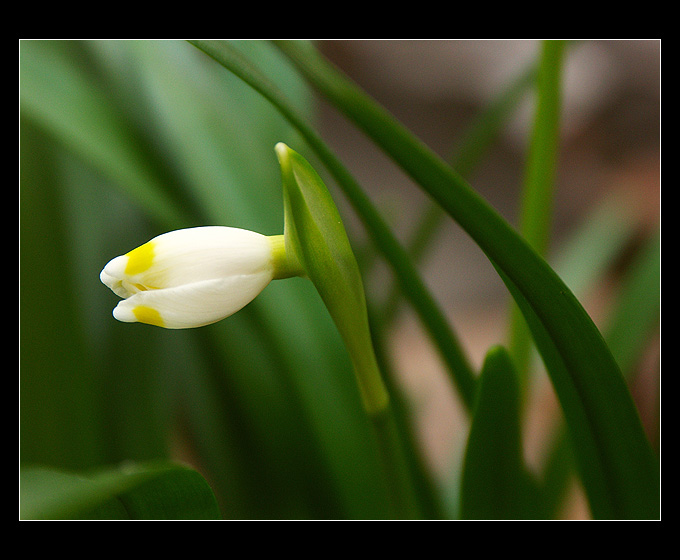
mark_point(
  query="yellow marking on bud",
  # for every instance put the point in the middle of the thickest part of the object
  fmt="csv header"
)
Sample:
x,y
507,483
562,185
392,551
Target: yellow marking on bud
x,y
148,315
140,259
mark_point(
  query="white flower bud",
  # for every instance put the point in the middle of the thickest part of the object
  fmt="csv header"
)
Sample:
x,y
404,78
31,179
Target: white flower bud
x,y
191,277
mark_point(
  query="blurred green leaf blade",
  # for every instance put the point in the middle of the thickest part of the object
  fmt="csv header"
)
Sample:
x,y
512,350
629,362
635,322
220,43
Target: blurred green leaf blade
x,y
58,419
59,95
143,491
638,306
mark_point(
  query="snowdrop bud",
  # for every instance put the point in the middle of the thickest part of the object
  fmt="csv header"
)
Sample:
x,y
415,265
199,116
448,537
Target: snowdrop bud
x,y
193,277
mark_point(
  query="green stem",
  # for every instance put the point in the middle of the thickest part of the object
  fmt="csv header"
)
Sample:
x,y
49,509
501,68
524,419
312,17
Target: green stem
x,y
286,263
537,198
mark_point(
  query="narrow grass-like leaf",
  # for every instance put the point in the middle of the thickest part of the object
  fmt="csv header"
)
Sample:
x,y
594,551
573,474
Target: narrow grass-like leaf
x,y
582,261
537,196
636,310
469,153
602,418
591,249
495,483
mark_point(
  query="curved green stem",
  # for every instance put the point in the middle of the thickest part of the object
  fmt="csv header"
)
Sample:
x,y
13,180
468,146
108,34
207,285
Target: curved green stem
x,y
537,198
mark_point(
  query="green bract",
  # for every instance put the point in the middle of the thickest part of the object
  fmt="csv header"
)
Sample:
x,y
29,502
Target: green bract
x,y
314,233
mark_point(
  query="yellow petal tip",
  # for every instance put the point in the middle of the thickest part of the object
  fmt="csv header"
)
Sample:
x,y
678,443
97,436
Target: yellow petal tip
x,y
140,259
148,315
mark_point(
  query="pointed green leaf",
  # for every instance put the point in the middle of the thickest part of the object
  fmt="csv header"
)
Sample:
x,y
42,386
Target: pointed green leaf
x,y
495,483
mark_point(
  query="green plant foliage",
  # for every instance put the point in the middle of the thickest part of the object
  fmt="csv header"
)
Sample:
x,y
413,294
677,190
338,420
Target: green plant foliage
x,y
619,469
260,416
248,396
538,192
409,279
158,491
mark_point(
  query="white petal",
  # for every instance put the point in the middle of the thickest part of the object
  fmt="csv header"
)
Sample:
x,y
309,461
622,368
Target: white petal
x,y
197,304
196,254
